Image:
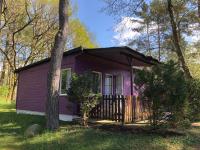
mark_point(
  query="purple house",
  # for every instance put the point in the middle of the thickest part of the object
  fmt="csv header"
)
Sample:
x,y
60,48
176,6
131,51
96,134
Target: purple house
x,y
114,67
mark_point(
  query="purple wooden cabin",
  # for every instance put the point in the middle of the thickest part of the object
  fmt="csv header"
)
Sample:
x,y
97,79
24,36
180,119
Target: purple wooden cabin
x,y
114,67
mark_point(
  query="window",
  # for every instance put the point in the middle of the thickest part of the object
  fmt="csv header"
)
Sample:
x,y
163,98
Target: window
x,y
97,80
108,86
65,81
119,85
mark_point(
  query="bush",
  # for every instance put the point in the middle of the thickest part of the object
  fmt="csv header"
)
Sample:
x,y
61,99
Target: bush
x,y
184,124
82,89
194,99
165,90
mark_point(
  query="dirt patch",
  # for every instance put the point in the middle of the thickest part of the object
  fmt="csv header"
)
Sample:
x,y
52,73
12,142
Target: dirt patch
x,y
196,124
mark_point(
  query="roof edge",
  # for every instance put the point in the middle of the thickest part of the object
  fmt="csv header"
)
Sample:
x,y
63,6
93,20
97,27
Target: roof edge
x,y
69,52
82,49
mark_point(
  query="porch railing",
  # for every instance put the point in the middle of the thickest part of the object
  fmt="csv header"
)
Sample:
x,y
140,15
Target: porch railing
x,y
120,108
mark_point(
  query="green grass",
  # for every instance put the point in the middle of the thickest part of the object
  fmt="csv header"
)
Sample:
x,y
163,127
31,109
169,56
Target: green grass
x,y
74,137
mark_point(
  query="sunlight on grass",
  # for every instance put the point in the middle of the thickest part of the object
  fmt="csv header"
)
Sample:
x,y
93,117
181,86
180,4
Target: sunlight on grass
x,y
75,137
6,106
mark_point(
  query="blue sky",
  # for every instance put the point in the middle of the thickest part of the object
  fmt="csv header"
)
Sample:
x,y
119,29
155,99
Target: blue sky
x,y
99,23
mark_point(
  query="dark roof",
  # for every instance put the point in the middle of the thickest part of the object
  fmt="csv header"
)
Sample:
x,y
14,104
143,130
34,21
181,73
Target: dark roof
x,y
131,53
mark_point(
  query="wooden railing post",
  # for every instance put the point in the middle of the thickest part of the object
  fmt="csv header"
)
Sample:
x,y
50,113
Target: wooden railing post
x,y
103,106
118,108
134,102
123,110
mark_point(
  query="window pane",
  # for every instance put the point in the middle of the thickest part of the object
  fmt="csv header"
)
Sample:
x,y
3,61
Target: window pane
x,y
68,79
119,84
65,81
97,82
108,85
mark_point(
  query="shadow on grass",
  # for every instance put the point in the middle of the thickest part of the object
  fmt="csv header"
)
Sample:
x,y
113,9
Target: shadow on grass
x,y
91,139
11,122
12,126
193,139
74,137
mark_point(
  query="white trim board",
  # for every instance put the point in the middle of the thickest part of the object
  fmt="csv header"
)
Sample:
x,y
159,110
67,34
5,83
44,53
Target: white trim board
x,y
62,117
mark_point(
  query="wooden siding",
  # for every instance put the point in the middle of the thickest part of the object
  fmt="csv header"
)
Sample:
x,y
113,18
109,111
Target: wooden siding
x,y
32,85
32,88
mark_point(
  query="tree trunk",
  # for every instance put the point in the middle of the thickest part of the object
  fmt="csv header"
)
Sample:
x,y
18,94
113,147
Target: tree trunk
x,y
176,41
159,49
2,77
199,8
148,39
1,5
52,104
14,84
85,119
5,64
9,83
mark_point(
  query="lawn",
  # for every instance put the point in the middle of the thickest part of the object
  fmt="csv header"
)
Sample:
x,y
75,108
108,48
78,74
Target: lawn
x,y
74,137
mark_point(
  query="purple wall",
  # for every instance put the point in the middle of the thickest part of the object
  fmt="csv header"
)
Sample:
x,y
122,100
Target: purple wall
x,y
32,85
87,62
32,88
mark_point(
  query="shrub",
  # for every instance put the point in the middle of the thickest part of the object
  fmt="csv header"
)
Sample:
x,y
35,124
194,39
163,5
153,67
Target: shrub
x,y
165,90
82,89
185,124
194,99
152,94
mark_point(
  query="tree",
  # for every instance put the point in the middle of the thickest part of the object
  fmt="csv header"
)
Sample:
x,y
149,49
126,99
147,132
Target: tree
x,y
164,90
194,102
52,104
27,32
83,89
182,18
79,35
161,41
1,5
176,40
192,58
10,30
199,8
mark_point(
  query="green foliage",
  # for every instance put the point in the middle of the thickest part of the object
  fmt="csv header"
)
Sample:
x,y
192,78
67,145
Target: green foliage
x,y
28,30
4,91
175,95
165,90
184,124
81,90
80,36
152,93
194,99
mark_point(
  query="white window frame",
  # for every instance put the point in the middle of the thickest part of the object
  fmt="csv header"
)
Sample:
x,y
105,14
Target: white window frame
x,y
111,81
61,80
122,84
100,78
